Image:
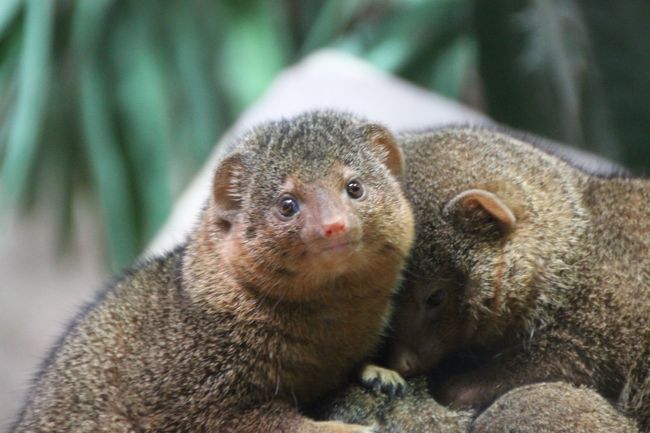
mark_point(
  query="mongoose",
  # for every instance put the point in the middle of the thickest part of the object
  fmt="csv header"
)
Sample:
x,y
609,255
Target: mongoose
x,y
283,288
517,253
543,407
552,408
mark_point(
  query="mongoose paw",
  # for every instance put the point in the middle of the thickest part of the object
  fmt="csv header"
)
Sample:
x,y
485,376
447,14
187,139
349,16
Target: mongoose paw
x,y
340,427
383,380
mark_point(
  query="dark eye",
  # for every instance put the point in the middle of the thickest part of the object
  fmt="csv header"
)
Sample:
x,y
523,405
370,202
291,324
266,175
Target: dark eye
x,y
436,298
354,189
288,207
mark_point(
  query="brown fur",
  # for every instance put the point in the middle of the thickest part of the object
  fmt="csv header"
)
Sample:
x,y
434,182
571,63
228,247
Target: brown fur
x,y
559,293
540,408
552,408
414,412
254,316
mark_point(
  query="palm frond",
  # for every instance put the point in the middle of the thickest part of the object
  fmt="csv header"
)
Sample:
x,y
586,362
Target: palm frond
x,y
8,11
107,163
22,145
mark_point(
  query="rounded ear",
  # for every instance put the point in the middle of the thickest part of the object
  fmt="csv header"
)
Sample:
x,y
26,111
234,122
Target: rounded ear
x,y
477,204
384,144
226,186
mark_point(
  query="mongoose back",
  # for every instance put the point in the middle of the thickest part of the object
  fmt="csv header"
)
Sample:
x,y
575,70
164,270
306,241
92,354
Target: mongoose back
x,y
282,289
555,407
522,255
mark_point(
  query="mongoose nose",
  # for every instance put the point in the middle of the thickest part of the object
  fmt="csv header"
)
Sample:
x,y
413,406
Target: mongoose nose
x,y
406,364
334,229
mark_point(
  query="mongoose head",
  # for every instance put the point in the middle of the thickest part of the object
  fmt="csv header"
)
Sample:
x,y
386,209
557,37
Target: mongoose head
x,y
300,202
497,227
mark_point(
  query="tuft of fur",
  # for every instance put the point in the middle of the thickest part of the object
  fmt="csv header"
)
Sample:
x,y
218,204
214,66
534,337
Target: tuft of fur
x,y
519,254
257,314
552,408
635,397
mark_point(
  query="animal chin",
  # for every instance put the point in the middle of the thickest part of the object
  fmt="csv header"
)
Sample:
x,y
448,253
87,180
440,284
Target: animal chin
x,y
334,248
334,256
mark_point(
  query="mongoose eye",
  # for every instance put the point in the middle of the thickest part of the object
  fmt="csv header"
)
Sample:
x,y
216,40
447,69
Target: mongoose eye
x,y
354,189
436,298
288,207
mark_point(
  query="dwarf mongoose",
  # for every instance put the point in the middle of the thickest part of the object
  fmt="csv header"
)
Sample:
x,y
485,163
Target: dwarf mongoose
x,y
517,253
283,288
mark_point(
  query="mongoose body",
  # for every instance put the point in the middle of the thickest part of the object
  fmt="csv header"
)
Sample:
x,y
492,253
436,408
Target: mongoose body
x,y
555,407
543,266
283,289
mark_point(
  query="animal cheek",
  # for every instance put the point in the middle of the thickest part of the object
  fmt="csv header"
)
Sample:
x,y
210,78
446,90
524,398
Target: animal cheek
x,y
276,241
430,353
354,224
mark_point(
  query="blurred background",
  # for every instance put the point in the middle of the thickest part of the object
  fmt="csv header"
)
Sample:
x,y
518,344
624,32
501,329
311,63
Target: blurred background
x,y
108,107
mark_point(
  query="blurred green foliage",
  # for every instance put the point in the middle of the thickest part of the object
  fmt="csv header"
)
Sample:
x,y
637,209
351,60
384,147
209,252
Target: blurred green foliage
x,y
122,100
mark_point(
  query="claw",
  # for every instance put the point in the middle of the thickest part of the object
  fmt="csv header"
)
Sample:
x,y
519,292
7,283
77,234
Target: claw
x,y
383,380
376,384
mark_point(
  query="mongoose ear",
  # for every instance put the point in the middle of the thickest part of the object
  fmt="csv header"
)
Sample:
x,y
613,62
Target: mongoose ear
x,y
386,147
474,204
226,188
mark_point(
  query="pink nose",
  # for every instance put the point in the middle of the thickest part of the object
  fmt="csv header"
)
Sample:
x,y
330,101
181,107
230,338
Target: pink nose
x,y
334,229
406,363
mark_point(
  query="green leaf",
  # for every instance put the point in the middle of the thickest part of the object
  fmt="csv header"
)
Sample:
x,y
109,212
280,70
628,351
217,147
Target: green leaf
x,y
108,167
203,119
332,18
142,98
254,51
8,11
9,66
33,85
451,67
411,36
